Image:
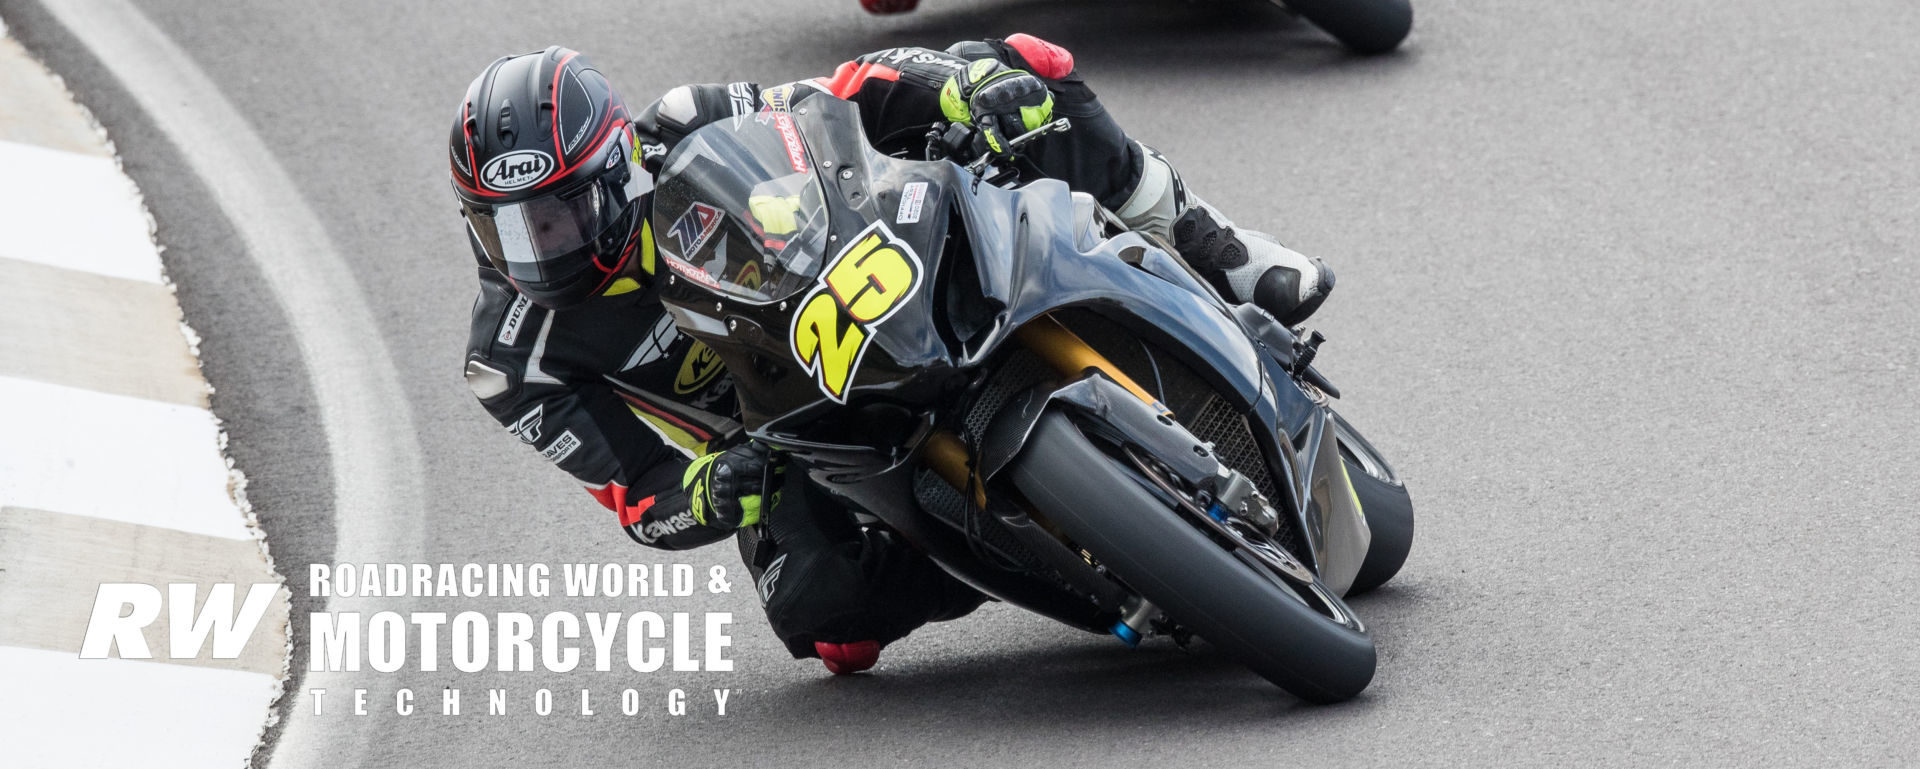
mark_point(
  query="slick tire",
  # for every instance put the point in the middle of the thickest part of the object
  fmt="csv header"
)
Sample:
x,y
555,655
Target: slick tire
x,y
1366,27
1099,504
1389,513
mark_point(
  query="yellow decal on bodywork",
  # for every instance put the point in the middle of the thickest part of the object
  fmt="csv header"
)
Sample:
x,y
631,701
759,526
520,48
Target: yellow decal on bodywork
x,y
697,369
859,289
1351,492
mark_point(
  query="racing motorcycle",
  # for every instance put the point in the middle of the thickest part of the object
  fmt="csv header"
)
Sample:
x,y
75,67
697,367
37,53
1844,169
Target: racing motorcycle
x,y
1055,409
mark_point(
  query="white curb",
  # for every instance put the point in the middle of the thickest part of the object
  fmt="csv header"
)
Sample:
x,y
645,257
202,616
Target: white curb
x,y
112,468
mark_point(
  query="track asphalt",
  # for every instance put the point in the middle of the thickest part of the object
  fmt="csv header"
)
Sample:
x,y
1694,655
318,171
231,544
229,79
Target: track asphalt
x,y
1627,292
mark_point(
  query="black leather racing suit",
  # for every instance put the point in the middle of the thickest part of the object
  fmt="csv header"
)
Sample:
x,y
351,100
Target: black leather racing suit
x,y
611,393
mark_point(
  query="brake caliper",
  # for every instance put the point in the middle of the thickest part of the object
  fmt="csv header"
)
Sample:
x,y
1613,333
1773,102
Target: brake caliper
x,y
1234,496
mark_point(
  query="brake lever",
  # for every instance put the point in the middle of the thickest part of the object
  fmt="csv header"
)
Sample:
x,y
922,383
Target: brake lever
x,y
767,473
980,164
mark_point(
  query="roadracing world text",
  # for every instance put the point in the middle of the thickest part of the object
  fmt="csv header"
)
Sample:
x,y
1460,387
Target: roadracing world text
x,y
396,618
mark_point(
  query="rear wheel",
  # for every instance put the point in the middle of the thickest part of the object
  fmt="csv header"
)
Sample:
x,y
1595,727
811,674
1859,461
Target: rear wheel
x,y
1363,26
1250,612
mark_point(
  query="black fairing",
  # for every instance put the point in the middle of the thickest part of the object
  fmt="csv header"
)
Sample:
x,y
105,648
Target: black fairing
x,y
993,259
1021,262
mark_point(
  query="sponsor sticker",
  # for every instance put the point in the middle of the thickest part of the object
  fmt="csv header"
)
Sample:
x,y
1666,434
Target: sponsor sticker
x,y
863,285
778,98
680,522
510,328
899,56
796,151
654,347
699,368
911,198
691,272
694,227
770,578
740,98
579,90
527,427
516,170
561,448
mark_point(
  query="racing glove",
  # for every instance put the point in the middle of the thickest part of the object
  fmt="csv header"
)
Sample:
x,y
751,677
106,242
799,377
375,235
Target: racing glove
x,y
724,489
680,507
1000,102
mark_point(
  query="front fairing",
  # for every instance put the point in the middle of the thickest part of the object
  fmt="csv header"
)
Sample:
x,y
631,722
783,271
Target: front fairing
x,y
977,250
983,260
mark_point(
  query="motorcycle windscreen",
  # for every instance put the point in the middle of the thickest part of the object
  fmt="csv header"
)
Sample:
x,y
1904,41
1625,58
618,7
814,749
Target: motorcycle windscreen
x,y
739,210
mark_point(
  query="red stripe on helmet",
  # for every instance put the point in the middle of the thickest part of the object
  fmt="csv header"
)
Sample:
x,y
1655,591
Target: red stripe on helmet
x,y
598,139
553,98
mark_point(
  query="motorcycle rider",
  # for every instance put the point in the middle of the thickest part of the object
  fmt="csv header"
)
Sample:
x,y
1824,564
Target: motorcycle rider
x,y
573,353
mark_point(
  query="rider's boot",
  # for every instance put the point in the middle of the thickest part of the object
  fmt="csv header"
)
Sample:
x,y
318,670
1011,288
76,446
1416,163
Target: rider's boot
x,y
1243,265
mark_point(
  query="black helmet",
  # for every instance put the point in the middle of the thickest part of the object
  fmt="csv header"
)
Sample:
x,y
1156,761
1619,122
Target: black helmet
x,y
544,164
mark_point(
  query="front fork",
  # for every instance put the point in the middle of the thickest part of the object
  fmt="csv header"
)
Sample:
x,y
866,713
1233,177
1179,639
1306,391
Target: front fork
x,y
1070,357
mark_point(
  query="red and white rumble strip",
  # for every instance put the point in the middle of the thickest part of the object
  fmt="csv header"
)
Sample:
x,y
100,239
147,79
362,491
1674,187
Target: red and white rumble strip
x,y
111,469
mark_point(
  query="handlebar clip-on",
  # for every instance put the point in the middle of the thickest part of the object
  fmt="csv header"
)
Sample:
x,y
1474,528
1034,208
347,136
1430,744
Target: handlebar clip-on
x,y
955,141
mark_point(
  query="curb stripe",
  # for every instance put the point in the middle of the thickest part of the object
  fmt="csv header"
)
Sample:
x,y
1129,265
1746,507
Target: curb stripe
x,y
364,412
64,711
80,213
38,110
108,456
55,564
107,334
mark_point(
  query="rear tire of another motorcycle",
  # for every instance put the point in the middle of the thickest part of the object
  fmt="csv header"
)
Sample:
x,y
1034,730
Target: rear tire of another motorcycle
x,y
1389,512
1099,504
1366,27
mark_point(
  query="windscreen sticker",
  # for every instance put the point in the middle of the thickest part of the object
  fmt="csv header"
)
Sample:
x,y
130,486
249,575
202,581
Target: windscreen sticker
x,y
796,151
859,289
911,198
691,271
694,226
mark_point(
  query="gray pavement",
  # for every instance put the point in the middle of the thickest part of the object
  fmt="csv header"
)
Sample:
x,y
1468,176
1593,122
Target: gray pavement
x,y
1626,291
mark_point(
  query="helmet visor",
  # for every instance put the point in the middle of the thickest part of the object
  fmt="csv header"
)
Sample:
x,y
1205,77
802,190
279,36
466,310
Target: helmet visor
x,y
542,239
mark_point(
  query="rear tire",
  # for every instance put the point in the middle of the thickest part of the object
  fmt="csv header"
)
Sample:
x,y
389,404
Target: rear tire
x,y
1196,581
1366,27
1389,513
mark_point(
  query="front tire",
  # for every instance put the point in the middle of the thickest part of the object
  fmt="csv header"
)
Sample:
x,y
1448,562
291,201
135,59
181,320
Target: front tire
x,y
1366,27
1389,512
1195,580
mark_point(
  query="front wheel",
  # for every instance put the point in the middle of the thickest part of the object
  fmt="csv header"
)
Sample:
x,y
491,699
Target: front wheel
x,y
1385,503
1364,26
1251,615
1389,512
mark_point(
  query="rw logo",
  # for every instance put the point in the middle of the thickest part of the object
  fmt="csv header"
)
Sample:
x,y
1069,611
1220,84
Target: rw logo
x,y
122,609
